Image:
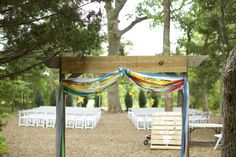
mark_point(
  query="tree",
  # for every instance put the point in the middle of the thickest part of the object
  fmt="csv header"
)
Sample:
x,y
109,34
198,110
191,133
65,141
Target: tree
x,y
85,102
113,9
32,32
212,35
128,100
166,48
53,98
154,97
69,100
142,99
98,101
229,107
38,100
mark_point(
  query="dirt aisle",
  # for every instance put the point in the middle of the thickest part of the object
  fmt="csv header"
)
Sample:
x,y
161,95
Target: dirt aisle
x,y
114,136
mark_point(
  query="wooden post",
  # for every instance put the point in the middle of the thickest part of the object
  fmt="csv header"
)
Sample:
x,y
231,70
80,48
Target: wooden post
x,y
60,119
182,105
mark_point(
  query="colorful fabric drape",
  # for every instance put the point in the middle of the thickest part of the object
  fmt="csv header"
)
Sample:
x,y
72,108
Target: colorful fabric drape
x,y
151,82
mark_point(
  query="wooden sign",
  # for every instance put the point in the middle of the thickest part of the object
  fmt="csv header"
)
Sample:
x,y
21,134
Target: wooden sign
x,y
166,130
106,64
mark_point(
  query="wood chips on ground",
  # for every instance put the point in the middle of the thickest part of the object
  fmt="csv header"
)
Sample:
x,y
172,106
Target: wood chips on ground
x,y
114,136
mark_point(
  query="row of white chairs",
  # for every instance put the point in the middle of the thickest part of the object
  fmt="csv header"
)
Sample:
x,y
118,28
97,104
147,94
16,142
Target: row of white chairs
x,y
202,117
37,119
141,117
46,117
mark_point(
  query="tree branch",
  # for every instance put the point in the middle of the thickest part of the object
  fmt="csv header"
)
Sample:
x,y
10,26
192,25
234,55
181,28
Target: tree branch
x,y
108,7
27,68
22,52
3,23
181,6
118,6
132,24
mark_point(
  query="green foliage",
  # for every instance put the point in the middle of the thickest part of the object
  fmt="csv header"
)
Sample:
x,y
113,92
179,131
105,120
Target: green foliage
x,y
98,100
24,88
3,147
128,100
210,30
142,99
38,99
1,125
35,30
53,98
154,96
69,100
85,102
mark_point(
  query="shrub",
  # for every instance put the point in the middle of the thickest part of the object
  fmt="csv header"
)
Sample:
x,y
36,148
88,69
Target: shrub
x,y
142,99
85,102
1,125
128,100
154,96
69,100
96,101
3,147
38,99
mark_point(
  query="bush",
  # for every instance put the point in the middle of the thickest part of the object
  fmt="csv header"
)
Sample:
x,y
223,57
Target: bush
x,y
3,147
128,100
1,125
38,99
142,99
154,96
96,101
69,100
85,102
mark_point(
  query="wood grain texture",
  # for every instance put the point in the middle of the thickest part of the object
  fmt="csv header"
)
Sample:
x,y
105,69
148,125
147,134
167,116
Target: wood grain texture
x,y
106,64
166,130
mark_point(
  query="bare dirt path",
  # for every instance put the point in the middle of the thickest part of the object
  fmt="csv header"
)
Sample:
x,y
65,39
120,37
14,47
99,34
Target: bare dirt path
x,y
114,136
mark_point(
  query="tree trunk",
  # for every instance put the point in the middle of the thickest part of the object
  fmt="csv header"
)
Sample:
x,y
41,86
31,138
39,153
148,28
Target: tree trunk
x,y
166,49
180,100
114,103
113,9
229,107
166,34
168,102
50,77
206,104
114,37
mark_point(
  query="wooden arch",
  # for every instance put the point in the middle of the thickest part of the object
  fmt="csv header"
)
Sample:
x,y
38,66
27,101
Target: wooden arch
x,y
106,64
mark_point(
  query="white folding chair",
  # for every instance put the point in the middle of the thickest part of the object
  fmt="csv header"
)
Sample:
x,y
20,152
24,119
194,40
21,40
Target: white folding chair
x,y
50,120
31,119
41,119
79,121
148,122
22,118
219,136
70,121
90,121
140,122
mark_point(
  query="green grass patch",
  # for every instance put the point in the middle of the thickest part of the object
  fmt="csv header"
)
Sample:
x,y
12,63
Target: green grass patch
x,y
3,146
5,109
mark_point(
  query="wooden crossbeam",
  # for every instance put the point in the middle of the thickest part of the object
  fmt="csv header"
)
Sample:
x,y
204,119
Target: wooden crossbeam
x,y
106,64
